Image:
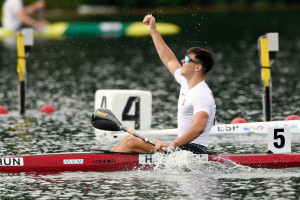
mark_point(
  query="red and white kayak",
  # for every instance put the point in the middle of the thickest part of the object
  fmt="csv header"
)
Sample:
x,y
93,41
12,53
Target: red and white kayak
x,y
105,161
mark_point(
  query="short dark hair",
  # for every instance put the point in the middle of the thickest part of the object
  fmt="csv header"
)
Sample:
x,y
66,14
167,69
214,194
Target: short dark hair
x,y
204,56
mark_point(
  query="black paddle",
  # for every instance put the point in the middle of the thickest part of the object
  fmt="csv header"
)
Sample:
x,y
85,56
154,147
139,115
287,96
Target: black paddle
x,y
104,119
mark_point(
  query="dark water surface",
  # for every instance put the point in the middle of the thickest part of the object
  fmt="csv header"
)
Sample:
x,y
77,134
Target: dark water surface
x,y
67,73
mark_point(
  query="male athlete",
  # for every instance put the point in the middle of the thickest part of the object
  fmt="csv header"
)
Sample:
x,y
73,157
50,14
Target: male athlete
x,y
196,104
16,16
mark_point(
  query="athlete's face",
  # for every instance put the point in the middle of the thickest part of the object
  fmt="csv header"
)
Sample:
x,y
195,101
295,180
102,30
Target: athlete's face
x,y
189,63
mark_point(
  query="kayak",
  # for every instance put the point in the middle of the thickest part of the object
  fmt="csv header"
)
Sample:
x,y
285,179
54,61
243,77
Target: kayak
x,y
107,161
61,30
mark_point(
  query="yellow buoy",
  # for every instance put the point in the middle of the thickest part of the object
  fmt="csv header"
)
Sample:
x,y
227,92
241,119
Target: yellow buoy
x,y
138,29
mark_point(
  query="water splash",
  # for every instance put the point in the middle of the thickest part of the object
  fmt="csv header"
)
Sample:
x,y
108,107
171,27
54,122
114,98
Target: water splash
x,y
184,162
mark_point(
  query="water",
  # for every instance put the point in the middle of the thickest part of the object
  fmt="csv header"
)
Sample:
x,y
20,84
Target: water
x,y
66,74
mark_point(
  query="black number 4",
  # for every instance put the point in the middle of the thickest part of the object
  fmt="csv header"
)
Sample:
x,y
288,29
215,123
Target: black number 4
x,y
136,117
280,137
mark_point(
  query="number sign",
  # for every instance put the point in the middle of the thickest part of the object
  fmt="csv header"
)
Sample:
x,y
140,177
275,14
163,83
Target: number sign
x,y
132,107
132,117
279,140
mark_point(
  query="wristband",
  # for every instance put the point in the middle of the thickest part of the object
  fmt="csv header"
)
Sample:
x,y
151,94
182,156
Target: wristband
x,y
175,143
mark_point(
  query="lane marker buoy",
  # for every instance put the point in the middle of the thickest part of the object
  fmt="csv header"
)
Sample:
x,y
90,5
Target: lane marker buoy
x,y
238,120
292,117
48,109
3,110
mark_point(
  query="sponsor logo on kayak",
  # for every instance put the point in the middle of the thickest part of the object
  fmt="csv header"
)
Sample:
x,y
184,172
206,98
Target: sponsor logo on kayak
x,y
11,162
145,159
203,157
73,161
148,159
104,161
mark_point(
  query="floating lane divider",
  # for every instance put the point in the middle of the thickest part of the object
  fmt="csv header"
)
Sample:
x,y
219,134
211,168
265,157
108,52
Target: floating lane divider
x,y
224,130
61,30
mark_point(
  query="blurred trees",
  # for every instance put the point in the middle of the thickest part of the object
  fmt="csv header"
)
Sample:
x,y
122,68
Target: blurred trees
x,y
152,3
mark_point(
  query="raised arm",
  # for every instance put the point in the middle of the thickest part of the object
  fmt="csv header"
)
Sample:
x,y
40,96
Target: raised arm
x,y
165,53
29,21
32,8
24,15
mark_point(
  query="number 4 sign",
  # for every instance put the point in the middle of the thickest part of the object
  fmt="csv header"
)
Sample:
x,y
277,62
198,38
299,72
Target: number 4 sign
x,y
279,140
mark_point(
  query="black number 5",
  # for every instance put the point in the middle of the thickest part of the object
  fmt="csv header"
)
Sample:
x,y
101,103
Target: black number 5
x,y
280,137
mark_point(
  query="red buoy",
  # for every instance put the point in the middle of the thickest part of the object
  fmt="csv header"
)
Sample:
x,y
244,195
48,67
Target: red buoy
x,y
48,109
292,117
238,120
3,110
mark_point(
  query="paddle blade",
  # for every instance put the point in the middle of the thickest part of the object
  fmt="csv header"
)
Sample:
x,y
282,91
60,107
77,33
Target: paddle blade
x,y
104,119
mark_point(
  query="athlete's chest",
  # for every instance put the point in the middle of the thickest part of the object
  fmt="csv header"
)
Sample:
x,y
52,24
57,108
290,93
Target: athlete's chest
x,y
185,101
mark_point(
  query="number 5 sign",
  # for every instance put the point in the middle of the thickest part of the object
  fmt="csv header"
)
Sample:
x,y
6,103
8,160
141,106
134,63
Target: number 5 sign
x,y
279,140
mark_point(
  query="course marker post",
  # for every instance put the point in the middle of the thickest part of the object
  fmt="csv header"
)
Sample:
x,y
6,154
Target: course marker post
x,y
268,45
24,43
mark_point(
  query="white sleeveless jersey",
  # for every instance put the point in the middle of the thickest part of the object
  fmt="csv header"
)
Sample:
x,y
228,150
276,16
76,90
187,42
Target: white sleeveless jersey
x,y
191,101
9,19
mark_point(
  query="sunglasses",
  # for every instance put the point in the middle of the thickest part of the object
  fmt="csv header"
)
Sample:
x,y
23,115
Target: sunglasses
x,y
188,59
